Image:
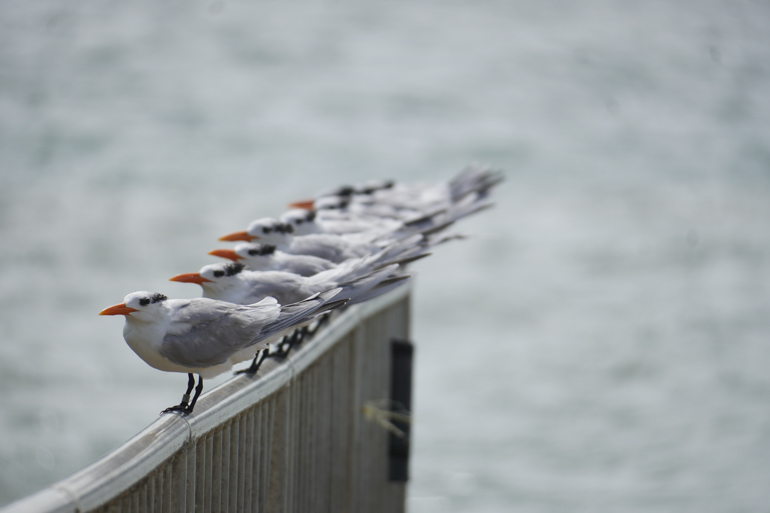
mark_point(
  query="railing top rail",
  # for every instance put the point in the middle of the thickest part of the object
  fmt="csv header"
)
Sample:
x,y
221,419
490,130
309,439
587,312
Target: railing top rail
x,y
119,470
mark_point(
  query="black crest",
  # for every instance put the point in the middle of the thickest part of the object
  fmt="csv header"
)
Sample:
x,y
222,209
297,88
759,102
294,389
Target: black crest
x,y
285,228
233,269
155,298
262,249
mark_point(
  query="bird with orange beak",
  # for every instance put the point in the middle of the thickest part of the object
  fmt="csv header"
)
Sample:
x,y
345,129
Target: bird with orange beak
x,y
207,337
266,257
333,247
402,201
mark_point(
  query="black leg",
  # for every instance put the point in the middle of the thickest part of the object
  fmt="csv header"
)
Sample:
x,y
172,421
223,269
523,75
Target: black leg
x,y
291,341
295,340
183,406
302,334
282,347
323,320
198,391
285,346
255,363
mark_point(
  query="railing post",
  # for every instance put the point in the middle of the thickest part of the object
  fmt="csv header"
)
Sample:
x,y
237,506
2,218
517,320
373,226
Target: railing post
x,y
402,352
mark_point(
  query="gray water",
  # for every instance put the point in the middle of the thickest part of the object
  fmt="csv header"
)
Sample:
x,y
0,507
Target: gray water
x,y
601,344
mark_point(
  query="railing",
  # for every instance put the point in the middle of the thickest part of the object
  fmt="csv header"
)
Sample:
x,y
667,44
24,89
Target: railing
x,y
292,439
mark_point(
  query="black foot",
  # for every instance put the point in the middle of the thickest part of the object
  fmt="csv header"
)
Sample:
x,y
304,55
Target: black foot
x,y
255,363
322,321
282,348
184,409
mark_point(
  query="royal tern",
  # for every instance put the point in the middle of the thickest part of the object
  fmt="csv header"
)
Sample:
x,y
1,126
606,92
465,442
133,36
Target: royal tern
x,y
207,337
404,201
333,247
307,222
234,284
265,257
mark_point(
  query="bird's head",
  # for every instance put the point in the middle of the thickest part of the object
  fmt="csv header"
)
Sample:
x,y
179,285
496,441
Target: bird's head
x,y
267,229
212,277
374,186
245,251
332,203
254,250
302,220
142,305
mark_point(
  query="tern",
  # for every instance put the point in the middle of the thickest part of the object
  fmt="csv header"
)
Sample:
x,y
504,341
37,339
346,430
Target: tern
x,y
333,247
308,221
233,283
266,257
207,337
400,201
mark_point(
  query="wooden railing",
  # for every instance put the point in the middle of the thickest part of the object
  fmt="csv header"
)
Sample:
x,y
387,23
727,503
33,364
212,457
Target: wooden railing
x,y
294,438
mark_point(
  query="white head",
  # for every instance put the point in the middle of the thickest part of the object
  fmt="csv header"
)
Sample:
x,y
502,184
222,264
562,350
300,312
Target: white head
x,y
332,203
270,231
214,278
251,251
141,306
302,220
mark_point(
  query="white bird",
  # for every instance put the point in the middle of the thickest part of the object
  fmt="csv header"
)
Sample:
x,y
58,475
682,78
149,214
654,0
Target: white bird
x,y
334,247
205,336
405,201
232,283
307,222
265,257
367,230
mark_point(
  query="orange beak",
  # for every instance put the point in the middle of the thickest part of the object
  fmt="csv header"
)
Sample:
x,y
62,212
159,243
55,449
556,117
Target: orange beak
x,y
226,253
189,278
305,204
244,236
120,309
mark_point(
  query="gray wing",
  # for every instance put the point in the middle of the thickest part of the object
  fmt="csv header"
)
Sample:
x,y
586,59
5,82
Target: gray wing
x,y
326,246
297,313
381,288
474,179
285,286
304,265
206,332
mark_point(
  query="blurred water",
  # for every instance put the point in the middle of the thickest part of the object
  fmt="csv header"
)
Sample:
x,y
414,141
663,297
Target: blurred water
x,y
601,345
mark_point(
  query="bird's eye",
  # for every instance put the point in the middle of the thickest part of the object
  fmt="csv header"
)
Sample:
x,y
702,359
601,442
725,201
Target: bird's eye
x,y
144,301
299,221
219,274
266,230
253,252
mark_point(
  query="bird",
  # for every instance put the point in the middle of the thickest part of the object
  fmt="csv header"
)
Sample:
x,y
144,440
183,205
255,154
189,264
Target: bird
x,y
205,336
345,246
369,229
329,246
309,221
231,282
351,222
266,257
403,201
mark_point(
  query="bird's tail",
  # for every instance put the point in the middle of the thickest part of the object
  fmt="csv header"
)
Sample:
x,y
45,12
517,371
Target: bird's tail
x,y
371,285
474,178
381,288
298,313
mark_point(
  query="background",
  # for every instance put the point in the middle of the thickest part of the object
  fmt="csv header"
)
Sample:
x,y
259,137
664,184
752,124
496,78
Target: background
x,y
601,344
